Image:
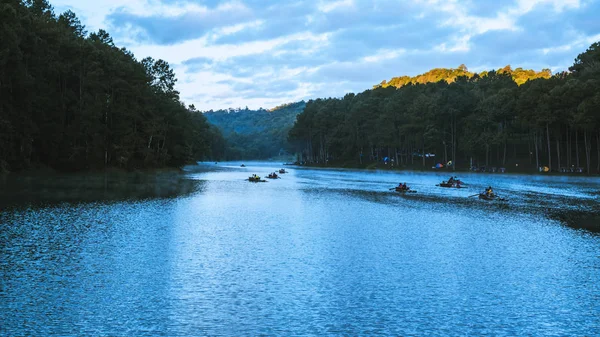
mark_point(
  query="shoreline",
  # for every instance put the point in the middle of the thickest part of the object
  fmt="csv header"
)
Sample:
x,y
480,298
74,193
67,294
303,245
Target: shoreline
x,y
379,167
48,171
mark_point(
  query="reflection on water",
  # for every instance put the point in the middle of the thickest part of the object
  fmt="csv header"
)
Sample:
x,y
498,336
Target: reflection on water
x,y
18,189
588,219
318,252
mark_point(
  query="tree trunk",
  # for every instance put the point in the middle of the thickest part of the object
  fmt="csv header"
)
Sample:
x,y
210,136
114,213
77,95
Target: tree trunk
x,y
568,148
530,152
537,156
445,153
577,147
587,150
497,154
558,152
423,152
504,157
454,145
549,148
598,149
105,137
310,149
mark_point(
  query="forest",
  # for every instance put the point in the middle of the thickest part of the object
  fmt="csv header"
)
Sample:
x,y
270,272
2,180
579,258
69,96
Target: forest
x,y
256,134
70,100
519,120
518,75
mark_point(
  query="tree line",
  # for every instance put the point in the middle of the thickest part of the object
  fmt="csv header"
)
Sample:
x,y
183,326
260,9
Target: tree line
x,y
519,75
471,120
72,100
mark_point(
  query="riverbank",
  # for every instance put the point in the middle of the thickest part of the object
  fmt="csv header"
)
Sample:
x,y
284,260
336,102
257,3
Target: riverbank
x,y
420,168
585,220
51,187
46,170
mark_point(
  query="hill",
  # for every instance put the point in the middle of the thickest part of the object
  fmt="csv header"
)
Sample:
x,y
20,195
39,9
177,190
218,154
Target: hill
x,y
518,75
256,134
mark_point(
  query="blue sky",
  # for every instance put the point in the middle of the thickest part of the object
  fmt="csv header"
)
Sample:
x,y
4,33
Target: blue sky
x,y
262,53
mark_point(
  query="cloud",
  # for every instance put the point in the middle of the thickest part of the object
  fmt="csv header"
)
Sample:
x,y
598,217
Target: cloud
x,y
178,24
264,53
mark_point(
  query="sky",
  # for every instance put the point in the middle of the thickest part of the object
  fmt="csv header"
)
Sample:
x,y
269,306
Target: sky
x,y
263,53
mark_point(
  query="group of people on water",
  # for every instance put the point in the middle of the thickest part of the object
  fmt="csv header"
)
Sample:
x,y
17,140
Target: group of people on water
x,y
272,175
455,182
489,192
402,187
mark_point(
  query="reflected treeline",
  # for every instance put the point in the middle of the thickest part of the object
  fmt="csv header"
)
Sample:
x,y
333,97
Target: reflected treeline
x,y
576,213
579,219
17,189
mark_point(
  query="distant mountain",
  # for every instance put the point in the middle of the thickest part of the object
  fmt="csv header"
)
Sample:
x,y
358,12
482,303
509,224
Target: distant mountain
x,y
519,75
256,134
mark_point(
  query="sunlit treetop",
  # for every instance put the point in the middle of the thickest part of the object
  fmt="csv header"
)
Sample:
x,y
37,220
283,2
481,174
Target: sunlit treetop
x,y
519,75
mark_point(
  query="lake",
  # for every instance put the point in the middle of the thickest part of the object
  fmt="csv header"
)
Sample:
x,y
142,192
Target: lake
x,y
317,252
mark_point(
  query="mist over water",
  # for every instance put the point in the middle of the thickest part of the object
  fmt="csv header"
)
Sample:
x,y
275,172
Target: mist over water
x,y
317,252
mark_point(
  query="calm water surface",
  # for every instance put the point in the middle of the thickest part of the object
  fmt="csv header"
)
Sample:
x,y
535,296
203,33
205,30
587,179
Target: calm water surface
x,y
318,252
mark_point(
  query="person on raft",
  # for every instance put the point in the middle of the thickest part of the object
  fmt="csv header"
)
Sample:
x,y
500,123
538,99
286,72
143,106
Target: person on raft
x,y
489,192
403,187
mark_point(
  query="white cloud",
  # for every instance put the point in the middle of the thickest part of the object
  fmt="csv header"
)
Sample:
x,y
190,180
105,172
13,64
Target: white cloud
x,y
318,23
328,6
201,48
579,44
525,6
238,28
384,55
470,26
458,44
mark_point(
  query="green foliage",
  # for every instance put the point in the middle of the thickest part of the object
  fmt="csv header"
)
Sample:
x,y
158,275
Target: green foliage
x,y
256,134
75,101
587,63
508,117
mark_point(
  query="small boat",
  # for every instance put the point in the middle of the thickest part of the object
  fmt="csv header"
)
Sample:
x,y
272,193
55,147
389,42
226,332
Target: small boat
x,y
404,190
242,165
273,176
484,196
255,179
451,185
282,171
